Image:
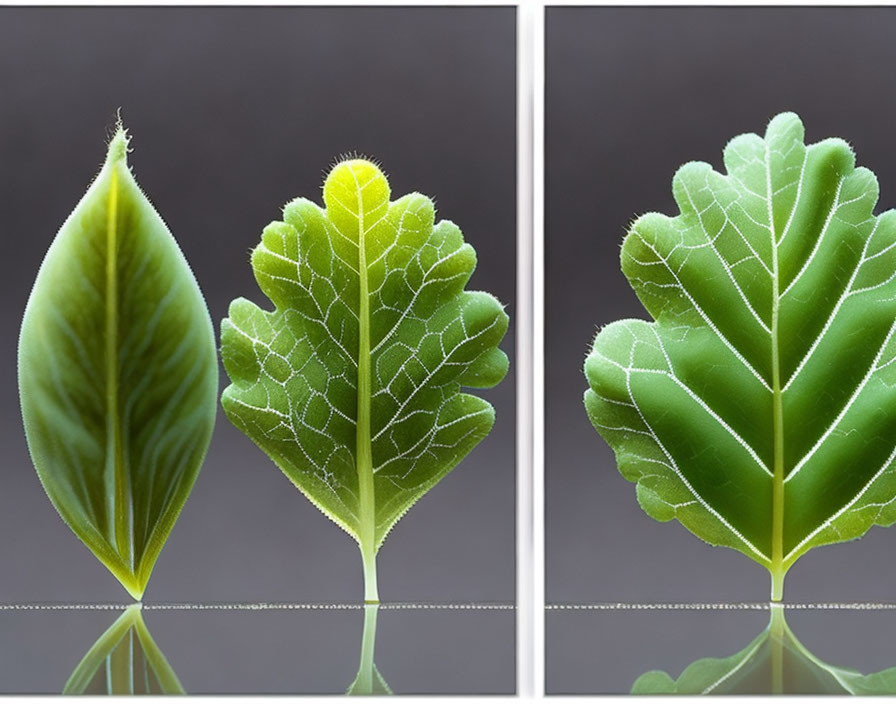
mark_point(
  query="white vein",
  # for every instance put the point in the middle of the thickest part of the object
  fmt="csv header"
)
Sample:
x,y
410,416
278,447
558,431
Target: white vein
x,y
684,480
830,521
873,367
303,345
709,323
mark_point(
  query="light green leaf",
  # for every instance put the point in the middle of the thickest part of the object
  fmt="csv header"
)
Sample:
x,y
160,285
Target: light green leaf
x,y
117,374
760,408
124,660
352,384
775,662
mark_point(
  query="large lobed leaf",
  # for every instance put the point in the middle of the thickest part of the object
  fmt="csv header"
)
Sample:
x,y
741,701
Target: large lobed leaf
x,y
117,374
759,409
352,383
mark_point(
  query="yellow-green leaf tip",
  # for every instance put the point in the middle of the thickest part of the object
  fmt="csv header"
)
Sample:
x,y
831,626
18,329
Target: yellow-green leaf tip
x,y
355,167
356,185
118,145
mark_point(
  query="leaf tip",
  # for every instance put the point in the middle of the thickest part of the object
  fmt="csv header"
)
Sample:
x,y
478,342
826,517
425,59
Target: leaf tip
x,y
786,118
355,156
355,166
118,145
356,183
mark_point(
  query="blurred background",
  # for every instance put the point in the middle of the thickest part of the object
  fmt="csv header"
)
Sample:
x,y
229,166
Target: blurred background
x,y
233,112
631,94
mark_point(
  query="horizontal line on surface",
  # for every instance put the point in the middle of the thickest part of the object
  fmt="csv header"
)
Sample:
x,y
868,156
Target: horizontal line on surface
x,y
257,606
723,606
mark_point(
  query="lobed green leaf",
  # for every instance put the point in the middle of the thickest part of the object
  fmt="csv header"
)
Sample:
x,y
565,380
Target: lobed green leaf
x,y
352,384
759,408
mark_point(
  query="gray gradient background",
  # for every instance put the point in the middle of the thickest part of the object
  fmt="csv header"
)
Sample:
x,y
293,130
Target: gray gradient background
x,y
233,112
632,93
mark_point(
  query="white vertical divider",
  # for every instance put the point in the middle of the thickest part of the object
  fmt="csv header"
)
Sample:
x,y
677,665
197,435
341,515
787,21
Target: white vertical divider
x,y
538,145
529,349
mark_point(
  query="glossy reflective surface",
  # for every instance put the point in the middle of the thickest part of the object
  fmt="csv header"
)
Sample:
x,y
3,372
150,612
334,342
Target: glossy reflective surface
x,y
287,649
724,649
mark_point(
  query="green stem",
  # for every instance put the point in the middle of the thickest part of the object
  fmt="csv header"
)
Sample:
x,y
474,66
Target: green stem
x,y
778,584
368,558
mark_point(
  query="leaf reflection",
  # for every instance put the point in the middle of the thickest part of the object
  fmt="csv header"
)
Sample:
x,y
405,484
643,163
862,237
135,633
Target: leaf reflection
x,y
775,662
124,660
369,680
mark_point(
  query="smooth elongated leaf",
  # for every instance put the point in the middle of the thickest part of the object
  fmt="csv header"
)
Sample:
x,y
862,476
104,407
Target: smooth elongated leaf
x,y
759,409
775,662
352,384
117,374
124,660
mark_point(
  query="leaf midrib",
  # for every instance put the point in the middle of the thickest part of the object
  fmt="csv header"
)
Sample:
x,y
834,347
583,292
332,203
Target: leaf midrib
x,y
777,556
364,454
122,536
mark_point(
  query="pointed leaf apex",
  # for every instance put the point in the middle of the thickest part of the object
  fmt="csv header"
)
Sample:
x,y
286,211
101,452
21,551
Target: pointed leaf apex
x,y
118,145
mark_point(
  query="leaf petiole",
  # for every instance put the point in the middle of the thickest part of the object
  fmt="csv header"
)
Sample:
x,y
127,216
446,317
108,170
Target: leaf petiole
x,y
368,559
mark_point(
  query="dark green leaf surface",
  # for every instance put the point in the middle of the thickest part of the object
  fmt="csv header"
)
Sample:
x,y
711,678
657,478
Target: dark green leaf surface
x,y
759,409
352,384
117,374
